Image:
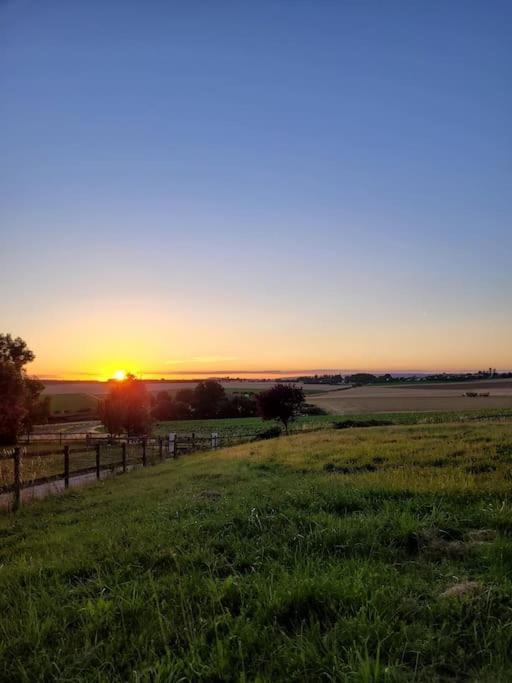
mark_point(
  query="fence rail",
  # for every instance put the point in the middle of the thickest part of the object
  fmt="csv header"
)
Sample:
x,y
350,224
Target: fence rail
x,y
23,468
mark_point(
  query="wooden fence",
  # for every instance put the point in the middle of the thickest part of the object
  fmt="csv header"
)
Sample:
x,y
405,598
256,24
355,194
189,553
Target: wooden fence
x,y
22,467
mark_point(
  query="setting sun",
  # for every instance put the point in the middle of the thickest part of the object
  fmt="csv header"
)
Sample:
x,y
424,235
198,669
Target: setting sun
x,y
119,375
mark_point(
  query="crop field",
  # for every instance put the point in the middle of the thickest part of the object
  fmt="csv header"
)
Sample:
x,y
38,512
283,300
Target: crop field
x,y
239,426
496,394
364,554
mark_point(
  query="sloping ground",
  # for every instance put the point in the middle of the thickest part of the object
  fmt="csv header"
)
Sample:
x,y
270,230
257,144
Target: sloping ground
x,y
397,398
380,554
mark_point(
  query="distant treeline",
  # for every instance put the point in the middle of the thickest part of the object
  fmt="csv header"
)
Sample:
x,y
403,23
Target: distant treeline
x,y
360,378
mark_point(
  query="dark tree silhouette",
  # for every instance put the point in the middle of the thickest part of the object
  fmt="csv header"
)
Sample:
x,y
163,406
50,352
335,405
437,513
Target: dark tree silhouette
x,y
239,405
14,351
162,406
20,404
208,399
127,408
282,402
38,407
12,403
184,399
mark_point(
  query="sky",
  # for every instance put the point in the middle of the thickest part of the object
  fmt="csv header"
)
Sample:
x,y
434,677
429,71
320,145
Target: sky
x,y
236,187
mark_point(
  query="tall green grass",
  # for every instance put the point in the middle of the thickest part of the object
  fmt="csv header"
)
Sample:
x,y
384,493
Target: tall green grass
x,y
322,556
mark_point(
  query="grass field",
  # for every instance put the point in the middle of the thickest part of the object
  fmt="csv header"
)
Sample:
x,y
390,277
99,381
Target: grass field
x,y
239,426
231,430
380,554
251,425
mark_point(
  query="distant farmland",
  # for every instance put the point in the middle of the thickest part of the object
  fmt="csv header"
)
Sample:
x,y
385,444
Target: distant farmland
x,y
418,397
73,406
76,400
101,388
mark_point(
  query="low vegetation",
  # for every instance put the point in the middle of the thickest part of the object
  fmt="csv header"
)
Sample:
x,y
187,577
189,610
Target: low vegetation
x,y
243,427
368,554
254,425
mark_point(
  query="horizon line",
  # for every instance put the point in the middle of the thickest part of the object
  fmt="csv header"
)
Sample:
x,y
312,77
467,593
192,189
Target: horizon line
x,y
235,374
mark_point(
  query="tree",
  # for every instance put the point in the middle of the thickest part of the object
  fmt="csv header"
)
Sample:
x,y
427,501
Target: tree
x,y
14,351
282,402
208,398
163,407
361,378
111,413
127,408
12,403
38,408
184,404
239,405
20,403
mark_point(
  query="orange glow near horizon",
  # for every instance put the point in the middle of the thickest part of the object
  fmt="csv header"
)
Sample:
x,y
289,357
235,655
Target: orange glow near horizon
x,y
205,342
119,375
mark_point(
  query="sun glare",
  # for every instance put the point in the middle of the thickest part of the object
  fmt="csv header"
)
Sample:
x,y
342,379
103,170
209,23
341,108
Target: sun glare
x,y
119,375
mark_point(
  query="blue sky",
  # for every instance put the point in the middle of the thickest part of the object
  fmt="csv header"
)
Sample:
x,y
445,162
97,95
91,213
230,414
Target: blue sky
x,y
263,185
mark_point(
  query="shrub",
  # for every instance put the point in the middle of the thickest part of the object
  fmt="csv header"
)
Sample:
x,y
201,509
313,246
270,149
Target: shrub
x,y
270,433
347,424
310,409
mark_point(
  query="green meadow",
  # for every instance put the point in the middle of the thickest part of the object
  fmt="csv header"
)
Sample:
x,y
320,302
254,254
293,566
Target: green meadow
x,y
366,554
247,426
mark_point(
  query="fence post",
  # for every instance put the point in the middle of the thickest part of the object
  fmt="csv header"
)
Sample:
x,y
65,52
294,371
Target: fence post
x,y
17,479
66,467
123,455
193,441
160,448
173,451
215,440
144,461
98,447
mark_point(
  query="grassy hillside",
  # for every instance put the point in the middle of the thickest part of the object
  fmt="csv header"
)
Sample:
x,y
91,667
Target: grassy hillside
x,y
379,554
